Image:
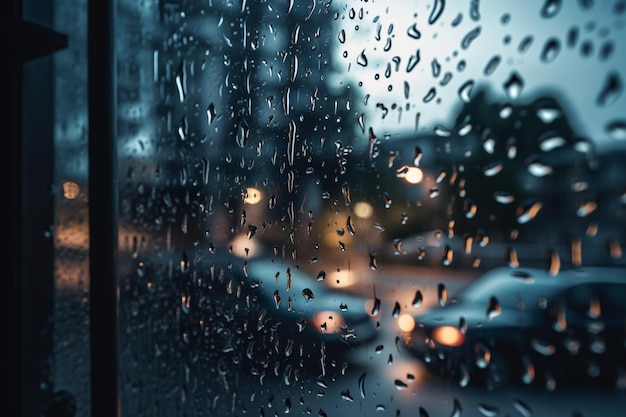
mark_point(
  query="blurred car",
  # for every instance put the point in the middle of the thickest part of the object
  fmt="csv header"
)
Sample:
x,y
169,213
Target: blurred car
x,y
527,326
307,305
259,314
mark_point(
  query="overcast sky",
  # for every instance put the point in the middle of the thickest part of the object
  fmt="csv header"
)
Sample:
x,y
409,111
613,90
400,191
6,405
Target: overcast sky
x,y
577,79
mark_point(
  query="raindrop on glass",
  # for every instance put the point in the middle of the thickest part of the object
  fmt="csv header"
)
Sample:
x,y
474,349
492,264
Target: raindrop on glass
x,y
307,294
492,65
362,59
442,294
436,11
470,37
550,8
616,129
493,308
417,299
396,310
611,90
550,50
513,85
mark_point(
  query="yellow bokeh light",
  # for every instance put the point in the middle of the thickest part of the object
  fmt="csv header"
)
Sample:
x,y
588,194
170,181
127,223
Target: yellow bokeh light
x,y
414,175
406,323
253,196
448,336
244,247
70,190
363,210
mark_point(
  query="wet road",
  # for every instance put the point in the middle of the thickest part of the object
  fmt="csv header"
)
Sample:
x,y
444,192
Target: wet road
x,y
386,380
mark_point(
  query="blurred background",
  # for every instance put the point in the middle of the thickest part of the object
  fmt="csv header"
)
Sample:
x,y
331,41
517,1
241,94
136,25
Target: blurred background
x,y
377,149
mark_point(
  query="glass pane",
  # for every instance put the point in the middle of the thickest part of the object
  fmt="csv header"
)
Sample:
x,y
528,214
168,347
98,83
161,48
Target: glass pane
x,y
70,357
307,188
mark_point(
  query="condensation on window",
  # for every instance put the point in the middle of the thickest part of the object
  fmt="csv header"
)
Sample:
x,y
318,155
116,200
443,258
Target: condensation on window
x,y
307,188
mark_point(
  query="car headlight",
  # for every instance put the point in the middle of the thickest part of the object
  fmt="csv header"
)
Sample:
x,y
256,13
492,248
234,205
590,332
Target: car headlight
x,y
448,336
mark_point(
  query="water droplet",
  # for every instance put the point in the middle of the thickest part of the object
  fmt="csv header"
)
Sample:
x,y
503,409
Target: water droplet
x,y
413,61
430,95
362,384
525,43
542,347
321,276
388,200
210,113
457,410
537,168
550,50
276,299
522,408
442,294
616,129
448,254
346,396
503,197
307,294
528,371
482,355
417,299
493,168
493,308
243,133
548,114
433,192
413,32
586,207
251,231
400,385
435,67
375,307
606,51
465,91
550,8
342,36
615,250
184,262
436,11
492,65
350,226
527,211
345,190
362,59
396,310
513,85
550,141
293,75
470,37
373,262
488,410
442,131
181,82
506,111
611,90
511,257
463,325
470,208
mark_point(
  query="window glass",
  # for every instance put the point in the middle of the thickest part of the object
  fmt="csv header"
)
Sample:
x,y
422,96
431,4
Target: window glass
x,y
306,187
69,359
